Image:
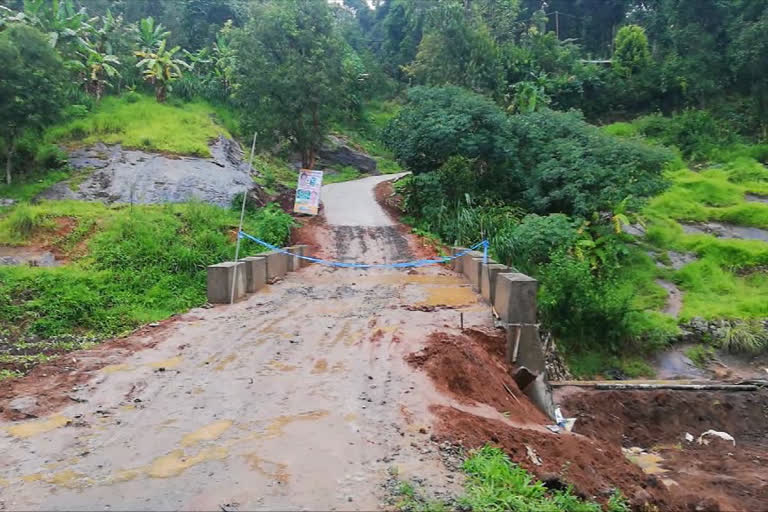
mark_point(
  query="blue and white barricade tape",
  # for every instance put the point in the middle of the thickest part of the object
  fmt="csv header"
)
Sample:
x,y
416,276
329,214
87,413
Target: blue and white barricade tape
x,y
341,264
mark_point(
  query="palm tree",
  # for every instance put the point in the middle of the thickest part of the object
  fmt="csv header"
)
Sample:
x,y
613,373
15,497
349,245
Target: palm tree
x,y
150,35
161,68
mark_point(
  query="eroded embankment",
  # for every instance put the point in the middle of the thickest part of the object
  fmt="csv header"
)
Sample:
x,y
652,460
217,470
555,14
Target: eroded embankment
x,y
719,476
470,367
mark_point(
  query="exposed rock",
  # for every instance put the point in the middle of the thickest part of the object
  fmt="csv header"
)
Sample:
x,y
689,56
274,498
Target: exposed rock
x,y
7,202
674,298
130,176
756,198
26,256
337,151
637,230
723,230
25,405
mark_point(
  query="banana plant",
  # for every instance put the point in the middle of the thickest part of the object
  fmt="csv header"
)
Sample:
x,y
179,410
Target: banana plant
x,y
64,24
149,35
100,68
161,68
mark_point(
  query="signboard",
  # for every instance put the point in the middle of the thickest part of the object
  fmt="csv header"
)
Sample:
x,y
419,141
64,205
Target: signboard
x,y
308,192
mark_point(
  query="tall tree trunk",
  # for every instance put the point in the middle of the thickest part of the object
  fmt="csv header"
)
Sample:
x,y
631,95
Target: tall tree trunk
x,y
11,151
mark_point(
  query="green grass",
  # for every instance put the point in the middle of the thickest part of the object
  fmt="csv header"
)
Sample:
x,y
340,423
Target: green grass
x,y
366,134
700,355
494,483
142,123
32,186
274,171
140,264
346,173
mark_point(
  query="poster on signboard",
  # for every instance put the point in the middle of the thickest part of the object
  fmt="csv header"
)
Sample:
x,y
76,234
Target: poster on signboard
x,y
308,192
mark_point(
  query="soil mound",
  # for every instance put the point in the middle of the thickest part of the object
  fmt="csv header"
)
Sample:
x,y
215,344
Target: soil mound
x,y
471,368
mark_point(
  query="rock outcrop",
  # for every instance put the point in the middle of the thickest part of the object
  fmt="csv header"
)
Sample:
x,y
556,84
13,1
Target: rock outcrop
x,y
119,175
336,151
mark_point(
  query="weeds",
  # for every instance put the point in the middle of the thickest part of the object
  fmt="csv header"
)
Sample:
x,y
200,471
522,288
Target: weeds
x,y
494,483
24,221
748,337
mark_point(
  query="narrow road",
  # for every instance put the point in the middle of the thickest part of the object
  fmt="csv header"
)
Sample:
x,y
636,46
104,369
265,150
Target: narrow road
x,y
296,398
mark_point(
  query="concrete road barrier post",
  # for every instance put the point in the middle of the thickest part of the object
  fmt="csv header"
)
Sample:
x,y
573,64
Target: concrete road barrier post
x,y
488,275
466,259
220,282
515,298
277,265
294,261
255,273
304,251
473,268
456,262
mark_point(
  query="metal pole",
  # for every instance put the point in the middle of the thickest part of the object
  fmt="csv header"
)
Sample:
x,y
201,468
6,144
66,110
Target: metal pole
x,y
557,24
240,227
485,252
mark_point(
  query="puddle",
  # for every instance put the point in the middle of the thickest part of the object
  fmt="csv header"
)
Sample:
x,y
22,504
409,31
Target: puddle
x,y
274,470
275,428
674,364
222,365
321,366
449,296
33,428
27,256
650,463
729,231
207,433
176,462
168,364
115,368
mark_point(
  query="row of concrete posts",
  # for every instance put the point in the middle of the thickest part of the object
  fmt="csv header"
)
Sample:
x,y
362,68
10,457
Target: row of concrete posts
x,y
250,274
513,297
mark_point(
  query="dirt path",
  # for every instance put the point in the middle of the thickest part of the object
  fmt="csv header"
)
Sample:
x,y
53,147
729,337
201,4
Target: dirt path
x,y
298,397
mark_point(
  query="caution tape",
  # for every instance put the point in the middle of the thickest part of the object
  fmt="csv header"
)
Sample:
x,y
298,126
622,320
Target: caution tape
x,y
341,264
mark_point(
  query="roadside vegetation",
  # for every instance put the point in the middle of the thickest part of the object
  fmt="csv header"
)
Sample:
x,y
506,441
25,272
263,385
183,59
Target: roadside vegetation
x,y
495,483
124,266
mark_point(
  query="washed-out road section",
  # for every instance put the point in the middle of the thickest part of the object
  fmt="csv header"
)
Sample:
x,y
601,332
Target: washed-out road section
x,y
296,398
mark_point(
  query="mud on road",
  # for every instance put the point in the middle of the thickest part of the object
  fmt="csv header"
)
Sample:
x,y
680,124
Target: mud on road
x,y
298,397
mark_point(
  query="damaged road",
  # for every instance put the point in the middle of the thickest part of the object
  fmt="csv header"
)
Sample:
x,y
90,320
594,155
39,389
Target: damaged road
x,y
298,397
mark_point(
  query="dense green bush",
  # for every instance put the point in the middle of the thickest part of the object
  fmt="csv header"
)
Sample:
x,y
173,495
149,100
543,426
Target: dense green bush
x,y
568,166
533,241
697,133
441,122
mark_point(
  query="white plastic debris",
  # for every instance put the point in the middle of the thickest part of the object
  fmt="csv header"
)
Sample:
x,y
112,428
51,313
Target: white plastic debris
x,y
533,456
722,435
689,437
559,420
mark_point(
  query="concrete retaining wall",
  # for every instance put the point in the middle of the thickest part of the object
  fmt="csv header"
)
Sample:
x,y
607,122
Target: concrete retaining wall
x,y
277,265
488,274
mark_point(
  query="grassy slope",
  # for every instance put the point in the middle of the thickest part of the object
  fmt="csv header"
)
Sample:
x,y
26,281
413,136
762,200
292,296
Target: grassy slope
x,y
138,121
719,284
128,266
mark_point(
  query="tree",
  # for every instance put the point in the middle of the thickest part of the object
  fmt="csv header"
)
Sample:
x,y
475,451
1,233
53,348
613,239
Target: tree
x,y
631,55
31,81
441,122
161,68
456,50
288,73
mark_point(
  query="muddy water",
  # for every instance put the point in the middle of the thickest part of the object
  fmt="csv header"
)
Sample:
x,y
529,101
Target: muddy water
x,y
297,397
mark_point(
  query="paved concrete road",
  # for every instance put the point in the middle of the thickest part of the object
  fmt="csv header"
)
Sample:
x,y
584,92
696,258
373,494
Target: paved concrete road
x,y
296,398
352,203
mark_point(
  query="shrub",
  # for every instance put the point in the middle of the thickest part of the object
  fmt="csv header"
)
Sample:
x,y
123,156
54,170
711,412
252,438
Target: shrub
x,y
531,243
50,156
697,133
568,166
580,309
